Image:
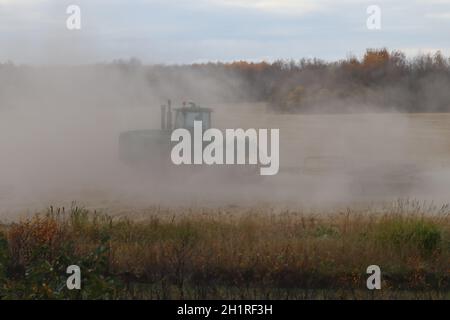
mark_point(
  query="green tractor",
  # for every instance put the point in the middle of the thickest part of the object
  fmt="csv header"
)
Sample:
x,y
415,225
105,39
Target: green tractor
x,y
149,151
152,148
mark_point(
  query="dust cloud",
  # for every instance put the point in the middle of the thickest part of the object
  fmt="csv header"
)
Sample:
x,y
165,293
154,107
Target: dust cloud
x,y
59,129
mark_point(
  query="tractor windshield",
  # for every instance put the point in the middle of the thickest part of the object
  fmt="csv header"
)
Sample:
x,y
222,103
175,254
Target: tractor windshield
x,y
186,119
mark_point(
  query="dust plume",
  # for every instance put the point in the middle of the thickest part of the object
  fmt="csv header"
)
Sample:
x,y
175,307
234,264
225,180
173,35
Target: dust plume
x,y
59,129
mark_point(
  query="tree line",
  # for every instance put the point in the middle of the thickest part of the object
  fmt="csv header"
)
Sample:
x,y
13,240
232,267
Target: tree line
x,y
380,80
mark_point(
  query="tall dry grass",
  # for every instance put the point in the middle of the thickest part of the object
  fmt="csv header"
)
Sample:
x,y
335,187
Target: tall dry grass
x,y
244,252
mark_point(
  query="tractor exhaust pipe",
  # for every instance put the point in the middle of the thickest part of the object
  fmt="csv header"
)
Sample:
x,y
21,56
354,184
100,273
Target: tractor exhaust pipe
x,y
169,115
163,117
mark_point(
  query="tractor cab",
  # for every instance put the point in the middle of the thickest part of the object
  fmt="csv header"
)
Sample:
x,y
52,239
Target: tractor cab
x,y
186,115
143,147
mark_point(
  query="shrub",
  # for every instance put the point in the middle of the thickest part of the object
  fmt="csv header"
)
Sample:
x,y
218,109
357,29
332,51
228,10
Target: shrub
x,y
423,235
35,256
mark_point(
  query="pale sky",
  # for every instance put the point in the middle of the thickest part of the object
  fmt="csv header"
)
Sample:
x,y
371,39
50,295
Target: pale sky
x,y
185,31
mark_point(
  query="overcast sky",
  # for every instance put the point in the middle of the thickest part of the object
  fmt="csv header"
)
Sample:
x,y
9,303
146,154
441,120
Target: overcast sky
x,y
185,31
